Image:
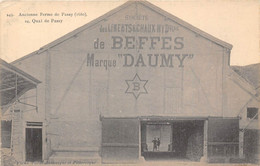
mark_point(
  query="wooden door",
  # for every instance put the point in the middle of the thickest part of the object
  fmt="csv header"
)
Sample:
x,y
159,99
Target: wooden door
x,y
120,140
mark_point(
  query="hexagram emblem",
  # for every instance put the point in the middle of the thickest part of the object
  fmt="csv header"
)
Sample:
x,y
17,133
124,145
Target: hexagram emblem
x,y
136,86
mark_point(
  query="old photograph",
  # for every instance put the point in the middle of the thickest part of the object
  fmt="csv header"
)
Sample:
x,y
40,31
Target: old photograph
x,y
138,82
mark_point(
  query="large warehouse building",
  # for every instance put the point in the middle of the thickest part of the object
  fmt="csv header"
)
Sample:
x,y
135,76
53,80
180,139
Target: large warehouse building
x,y
108,89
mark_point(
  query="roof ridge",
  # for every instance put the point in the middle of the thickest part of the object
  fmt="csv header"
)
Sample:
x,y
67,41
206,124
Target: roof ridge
x,y
119,8
187,25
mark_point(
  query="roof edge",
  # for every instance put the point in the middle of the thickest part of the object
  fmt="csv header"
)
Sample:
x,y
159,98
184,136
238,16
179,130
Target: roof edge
x,y
187,25
19,71
76,31
242,80
113,11
242,76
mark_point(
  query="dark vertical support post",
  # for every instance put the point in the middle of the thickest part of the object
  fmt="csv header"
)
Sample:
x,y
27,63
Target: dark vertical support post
x,y
205,142
140,140
12,129
142,137
241,144
171,138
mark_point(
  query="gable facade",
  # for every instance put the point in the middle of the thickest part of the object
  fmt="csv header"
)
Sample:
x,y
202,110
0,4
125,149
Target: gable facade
x,y
135,61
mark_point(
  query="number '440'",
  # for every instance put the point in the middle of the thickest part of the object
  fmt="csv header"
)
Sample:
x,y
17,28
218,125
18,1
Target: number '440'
x,y
9,15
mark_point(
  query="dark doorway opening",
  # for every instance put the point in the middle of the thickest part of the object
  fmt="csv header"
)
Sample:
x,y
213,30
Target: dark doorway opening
x,y
223,140
6,130
179,139
251,145
33,144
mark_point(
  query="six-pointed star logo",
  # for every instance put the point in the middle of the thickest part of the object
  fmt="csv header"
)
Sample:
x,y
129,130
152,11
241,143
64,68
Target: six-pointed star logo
x,y
136,86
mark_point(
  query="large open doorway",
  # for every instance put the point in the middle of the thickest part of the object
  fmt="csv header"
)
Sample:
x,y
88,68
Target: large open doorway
x,y
187,139
172,139
33,144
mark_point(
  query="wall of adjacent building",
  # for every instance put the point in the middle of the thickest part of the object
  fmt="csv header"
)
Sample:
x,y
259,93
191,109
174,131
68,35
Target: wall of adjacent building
x,y
241,95
36,66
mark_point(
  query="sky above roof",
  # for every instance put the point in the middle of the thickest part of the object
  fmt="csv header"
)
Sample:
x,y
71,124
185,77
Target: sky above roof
x,y
235,22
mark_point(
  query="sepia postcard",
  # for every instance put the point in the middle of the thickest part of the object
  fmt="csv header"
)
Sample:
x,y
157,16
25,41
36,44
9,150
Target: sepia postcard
x,y
137,82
